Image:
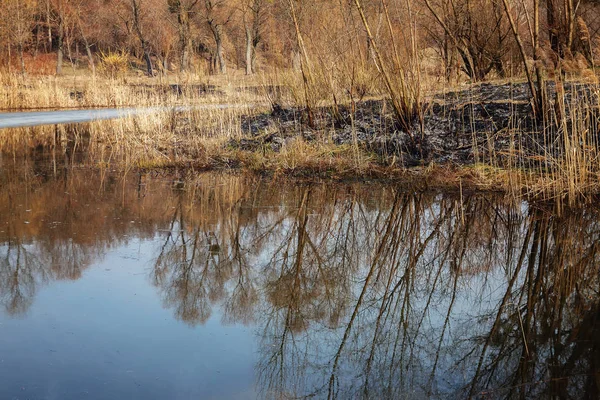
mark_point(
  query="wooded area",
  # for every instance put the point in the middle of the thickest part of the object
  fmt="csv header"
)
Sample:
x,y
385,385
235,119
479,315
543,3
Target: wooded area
x,y
473,39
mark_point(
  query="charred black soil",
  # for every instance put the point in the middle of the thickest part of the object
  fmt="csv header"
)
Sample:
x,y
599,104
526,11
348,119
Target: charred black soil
x,y
486,121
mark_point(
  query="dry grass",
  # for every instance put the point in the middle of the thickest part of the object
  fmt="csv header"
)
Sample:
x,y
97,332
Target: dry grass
x,y
28,92
160,138
565,163
568,166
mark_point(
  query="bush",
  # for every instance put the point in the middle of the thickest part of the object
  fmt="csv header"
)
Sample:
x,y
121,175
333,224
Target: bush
x,y
114,64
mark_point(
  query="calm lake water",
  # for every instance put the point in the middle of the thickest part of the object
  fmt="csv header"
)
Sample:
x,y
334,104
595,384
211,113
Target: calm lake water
x,y
17,119
214,286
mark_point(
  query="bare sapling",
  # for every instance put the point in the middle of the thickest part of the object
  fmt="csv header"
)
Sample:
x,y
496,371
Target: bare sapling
x,y
307,76
405,102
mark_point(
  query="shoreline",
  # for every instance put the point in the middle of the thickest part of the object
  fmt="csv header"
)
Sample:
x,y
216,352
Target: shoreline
x,y
483,138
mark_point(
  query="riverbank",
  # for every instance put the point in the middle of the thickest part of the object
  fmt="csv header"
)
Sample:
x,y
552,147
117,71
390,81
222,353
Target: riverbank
x,y
483,137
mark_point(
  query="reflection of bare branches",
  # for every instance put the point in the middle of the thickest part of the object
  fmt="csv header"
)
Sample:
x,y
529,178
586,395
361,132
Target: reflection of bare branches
x,y
24,267
418,272
539,314
20,271
383,246
355,291
182,268
244,296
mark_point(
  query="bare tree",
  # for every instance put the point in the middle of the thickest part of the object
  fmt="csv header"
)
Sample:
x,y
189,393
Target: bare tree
x,y
18,24
183,9
253,17
60,9
479,32
88,50
137,27
217,15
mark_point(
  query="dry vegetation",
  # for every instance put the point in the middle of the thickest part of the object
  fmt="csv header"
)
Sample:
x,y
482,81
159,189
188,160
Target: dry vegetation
x,y
320,60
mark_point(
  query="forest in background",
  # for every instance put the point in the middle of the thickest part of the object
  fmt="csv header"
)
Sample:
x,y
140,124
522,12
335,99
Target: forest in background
x,y
451,40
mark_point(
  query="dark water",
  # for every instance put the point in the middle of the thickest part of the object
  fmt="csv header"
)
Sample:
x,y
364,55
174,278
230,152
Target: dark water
x,y
156,286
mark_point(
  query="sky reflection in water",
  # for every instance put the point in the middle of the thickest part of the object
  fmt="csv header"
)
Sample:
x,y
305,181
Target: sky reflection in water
x,y
219,286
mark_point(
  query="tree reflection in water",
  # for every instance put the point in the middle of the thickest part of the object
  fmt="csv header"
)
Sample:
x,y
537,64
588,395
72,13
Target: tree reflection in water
x,y
353,290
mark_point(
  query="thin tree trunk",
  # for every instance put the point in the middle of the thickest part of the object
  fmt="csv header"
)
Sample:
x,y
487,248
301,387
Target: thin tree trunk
x,y
461,46
513,26
541,86
391,31
21,58
185,40
447,59
149,68
88,50
9,57
69,51
571,17
90,58
145,45
552,25
217,31
400,111
186,54
296,63
49,26
249,51
61,39
256,24
20,31
304,67
37,42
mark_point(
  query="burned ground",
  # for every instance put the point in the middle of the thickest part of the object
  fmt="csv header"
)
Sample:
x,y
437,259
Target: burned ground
x,y
487,121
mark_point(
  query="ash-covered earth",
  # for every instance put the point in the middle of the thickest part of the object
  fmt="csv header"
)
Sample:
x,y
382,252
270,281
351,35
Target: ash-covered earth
x,y
461,127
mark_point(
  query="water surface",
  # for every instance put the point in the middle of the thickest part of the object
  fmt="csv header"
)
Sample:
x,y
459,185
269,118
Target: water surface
x,y
38,118
154,286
